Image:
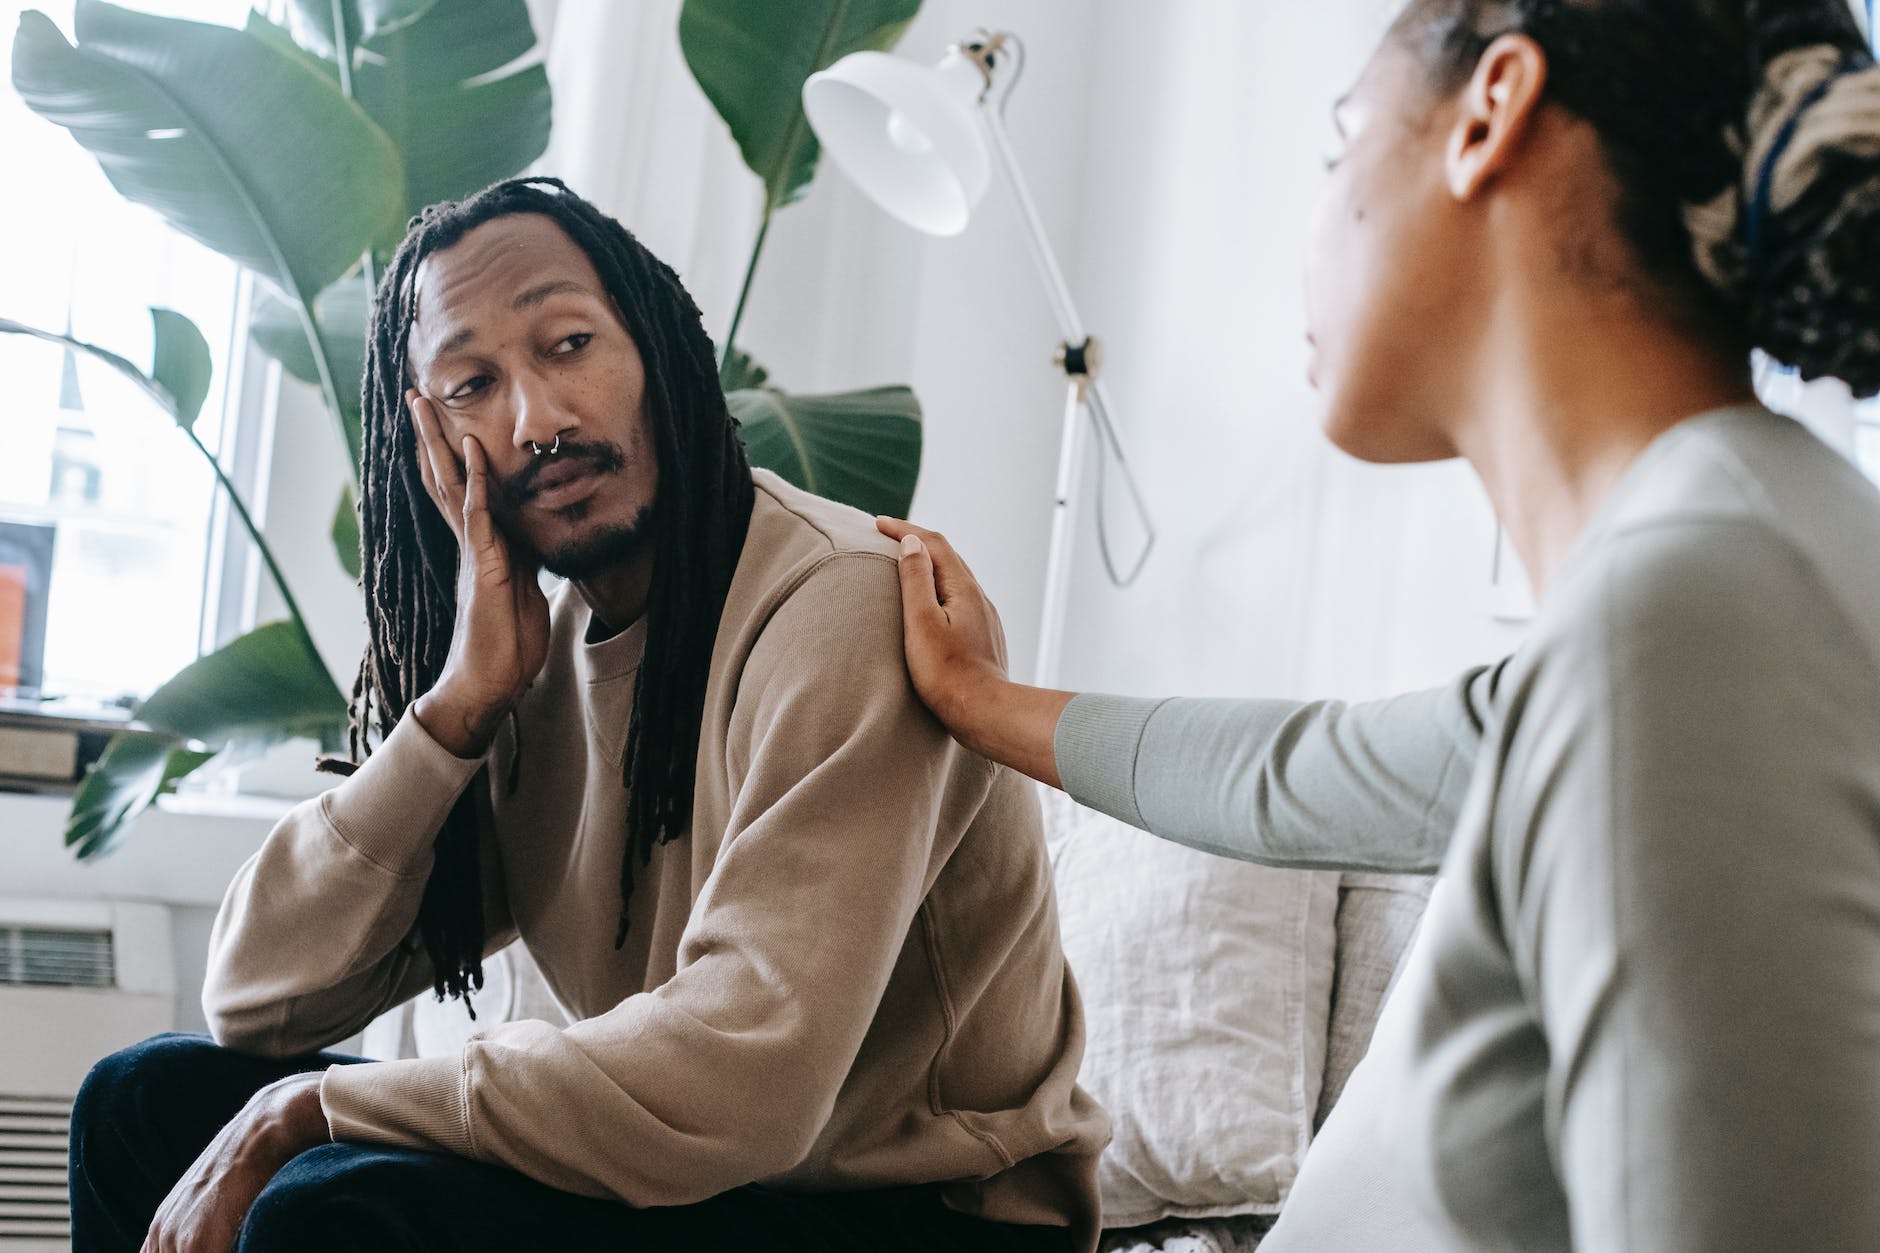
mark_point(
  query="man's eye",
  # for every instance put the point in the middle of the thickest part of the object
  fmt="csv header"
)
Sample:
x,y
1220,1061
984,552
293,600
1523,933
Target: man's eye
x,y
574,343
469,387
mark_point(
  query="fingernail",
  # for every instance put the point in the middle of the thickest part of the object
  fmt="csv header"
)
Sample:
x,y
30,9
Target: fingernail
x,y
910,544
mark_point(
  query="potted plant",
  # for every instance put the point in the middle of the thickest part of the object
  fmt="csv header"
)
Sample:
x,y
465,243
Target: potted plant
x,y
376,95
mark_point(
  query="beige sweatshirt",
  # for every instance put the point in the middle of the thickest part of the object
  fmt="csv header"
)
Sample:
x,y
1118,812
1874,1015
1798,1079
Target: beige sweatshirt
x,y
847,977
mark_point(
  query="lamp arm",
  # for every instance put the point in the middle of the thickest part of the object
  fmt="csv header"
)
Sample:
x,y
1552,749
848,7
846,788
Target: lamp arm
x,y
1064,309
1057,291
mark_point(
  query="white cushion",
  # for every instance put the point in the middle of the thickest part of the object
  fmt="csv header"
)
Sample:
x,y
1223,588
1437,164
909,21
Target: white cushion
x,y
1353,1195
1377,914
1207,986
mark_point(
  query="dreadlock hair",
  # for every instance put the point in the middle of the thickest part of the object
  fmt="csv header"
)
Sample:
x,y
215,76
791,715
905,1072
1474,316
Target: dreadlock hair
x,y
1745,135
408,565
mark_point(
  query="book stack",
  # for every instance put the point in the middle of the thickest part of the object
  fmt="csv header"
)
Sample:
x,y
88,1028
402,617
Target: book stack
x,y
45,746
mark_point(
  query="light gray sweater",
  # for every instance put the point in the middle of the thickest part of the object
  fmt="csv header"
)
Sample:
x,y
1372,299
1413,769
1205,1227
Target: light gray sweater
x,y
1644,1011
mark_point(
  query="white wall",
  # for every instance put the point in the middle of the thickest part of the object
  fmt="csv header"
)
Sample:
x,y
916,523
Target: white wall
x,y
1174,151
1285,568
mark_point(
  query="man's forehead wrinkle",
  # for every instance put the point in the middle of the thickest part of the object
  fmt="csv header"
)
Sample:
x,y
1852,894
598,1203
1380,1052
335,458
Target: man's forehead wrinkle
x,y
452,270
536,294
444,283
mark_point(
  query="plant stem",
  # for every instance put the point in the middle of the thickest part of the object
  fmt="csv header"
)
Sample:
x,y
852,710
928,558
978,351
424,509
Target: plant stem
x,y
329,389
342,57
342,48
744,293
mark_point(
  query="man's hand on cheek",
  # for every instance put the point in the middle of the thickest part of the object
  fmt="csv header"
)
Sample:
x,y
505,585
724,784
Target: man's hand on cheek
x,y
205,1210
499,642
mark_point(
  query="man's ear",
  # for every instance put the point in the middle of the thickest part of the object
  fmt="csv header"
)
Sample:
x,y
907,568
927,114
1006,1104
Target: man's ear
x,y
1495,113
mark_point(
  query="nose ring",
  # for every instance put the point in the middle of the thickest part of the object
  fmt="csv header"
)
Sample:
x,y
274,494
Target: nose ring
x,y
537,450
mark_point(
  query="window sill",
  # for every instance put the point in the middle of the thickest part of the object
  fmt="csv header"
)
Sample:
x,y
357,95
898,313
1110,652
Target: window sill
x,y
252,806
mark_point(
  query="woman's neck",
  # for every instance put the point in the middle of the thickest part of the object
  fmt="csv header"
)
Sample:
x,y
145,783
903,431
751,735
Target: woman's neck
x,y
1566,399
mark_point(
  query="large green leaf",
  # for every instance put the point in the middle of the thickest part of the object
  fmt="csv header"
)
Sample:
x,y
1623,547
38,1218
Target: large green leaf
x,y
345,532
260,688
234,142
135,769
313,20
340,314
459,90
861,448
445,88
740,372
752,58
182,363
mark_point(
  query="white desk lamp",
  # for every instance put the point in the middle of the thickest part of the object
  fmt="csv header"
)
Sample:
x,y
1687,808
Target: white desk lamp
x,y
914,138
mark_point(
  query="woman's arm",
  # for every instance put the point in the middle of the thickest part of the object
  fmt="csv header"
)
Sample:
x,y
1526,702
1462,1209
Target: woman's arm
x,y
1686,870
1308,784
1373,786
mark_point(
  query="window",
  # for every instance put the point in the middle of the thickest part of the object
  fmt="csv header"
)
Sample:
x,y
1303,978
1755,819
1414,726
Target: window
x,y
126,504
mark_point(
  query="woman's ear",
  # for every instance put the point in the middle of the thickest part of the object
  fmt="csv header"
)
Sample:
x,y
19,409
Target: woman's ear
x,y
1494,113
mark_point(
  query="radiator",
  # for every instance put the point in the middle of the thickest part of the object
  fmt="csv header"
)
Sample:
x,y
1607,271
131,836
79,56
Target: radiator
x,y
78,980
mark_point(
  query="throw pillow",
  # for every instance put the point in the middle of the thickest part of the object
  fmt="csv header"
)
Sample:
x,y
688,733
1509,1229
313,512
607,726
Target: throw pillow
x,y
1207,987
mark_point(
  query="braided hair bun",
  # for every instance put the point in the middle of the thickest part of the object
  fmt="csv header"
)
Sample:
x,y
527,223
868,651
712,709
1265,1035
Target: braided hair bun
x,y
1795,242
1746,137
1809,243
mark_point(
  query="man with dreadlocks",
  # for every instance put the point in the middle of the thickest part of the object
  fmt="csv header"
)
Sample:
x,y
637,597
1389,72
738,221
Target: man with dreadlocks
x,y
808,944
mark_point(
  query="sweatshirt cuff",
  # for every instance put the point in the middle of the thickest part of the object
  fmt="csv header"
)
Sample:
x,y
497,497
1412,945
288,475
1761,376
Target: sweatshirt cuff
x,y
417,1103
1096,744
390,810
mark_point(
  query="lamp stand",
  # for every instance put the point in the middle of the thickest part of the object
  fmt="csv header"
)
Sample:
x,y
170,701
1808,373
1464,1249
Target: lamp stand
x,y
1057,569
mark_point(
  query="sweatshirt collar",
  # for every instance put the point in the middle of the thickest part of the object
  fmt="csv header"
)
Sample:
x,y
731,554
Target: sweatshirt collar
x,y
616,657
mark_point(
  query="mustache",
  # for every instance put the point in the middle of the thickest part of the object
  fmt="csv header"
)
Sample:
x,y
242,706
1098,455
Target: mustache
x,y
605,456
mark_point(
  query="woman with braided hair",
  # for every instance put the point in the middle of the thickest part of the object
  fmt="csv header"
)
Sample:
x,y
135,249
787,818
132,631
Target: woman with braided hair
x,y
1643,1011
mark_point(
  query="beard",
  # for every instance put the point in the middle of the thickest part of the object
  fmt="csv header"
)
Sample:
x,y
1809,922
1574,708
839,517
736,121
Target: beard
x,y
603,549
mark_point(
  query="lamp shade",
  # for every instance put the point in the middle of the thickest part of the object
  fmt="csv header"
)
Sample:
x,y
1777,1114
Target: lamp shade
x,y
908,135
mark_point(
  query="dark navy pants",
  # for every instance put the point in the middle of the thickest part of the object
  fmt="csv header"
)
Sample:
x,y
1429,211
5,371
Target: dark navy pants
x,y
145,1113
